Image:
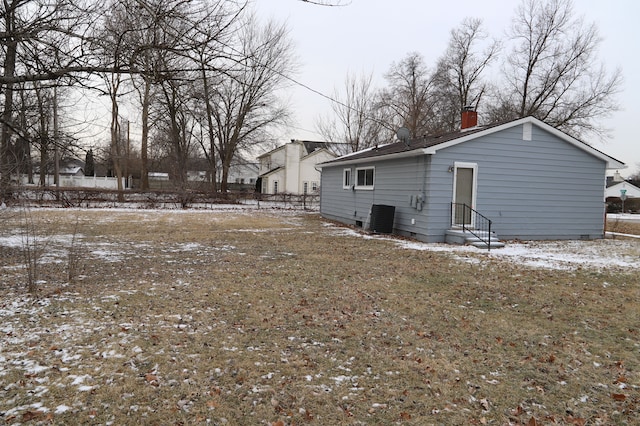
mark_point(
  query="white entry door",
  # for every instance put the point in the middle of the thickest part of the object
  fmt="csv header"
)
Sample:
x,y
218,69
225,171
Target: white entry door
x,y
464,192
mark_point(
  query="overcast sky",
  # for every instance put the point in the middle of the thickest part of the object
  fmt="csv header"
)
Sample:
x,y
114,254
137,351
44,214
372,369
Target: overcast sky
x,y
367,36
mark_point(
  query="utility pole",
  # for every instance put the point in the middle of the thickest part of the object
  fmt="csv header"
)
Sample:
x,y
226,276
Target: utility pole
x,y
126,160
56,153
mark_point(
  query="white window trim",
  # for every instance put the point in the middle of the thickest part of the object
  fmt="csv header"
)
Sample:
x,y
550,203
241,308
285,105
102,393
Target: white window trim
x,y
365,187
350,184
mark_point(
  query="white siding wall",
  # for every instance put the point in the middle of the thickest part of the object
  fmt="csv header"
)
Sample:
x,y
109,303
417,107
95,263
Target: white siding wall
x,y
308,171
292,168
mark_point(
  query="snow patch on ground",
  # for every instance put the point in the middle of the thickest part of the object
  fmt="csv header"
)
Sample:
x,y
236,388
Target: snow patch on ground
x,y
561,255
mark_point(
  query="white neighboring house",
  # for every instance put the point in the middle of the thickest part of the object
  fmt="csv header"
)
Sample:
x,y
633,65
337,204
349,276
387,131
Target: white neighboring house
x,y
241,172
291,168
630,191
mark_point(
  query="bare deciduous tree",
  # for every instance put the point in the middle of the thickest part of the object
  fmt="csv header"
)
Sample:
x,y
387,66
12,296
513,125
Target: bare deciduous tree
x,y
212,61
40,41
458,78
354,124
330,3
243,100
409,100
552,72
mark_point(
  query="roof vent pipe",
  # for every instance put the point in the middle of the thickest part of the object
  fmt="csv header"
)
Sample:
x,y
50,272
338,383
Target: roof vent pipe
x,y
469,118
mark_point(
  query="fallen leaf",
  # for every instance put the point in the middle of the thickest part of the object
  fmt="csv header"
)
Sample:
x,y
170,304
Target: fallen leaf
x,y
32,415
578,421
518,411
308,416
152,379
532,422
618,396
405,416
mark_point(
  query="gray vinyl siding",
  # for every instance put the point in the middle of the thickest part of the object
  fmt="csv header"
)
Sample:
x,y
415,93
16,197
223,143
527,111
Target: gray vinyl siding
x,y
395,182
545,188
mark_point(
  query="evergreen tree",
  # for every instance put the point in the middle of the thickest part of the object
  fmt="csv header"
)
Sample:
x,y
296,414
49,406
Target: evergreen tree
x,y
89,166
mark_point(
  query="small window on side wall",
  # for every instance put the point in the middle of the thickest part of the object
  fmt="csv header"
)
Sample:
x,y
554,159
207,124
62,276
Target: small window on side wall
x,y
365,178
346,179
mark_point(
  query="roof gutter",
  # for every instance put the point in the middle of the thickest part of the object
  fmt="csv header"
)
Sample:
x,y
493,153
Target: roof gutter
x,y
404,154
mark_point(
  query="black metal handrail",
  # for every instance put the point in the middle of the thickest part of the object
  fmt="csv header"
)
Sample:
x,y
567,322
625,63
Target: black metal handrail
x,y
472,221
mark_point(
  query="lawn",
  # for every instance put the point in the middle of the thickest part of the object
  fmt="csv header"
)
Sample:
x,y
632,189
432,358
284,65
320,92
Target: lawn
x,y
279,317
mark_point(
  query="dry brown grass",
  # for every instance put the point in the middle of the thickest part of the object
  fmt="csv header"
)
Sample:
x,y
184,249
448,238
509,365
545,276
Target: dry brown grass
x,y
623,226
277,318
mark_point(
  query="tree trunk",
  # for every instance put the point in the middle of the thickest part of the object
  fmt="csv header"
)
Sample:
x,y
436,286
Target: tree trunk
x,y
115,141
144,178
212,144
5,135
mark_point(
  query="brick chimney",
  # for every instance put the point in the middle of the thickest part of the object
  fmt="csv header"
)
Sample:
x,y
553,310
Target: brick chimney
x,y
469,118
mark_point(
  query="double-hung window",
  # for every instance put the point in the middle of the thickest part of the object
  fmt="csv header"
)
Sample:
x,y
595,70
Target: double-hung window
x,y
365,177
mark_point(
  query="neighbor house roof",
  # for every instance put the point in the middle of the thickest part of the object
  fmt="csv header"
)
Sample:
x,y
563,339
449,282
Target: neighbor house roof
x,y
272,171
631,191
309,147
431,144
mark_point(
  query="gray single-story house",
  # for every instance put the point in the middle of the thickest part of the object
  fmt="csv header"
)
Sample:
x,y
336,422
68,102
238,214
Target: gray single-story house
x,y
532,181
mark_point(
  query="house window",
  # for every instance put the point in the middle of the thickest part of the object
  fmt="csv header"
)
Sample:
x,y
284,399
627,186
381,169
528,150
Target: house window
x,y
314,186
365,177
346,179
275,186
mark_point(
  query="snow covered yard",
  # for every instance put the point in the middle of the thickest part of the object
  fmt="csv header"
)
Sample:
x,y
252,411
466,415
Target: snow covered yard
x,y
278,317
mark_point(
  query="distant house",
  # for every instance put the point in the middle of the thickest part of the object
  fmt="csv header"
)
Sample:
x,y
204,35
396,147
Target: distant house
x,y
66,167
242,173
72,168
617,189
291,168
531,180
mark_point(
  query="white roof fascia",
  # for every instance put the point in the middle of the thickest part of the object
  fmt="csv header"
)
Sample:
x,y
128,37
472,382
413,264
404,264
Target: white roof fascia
x,y
316,152
612,163
404,154
272,151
